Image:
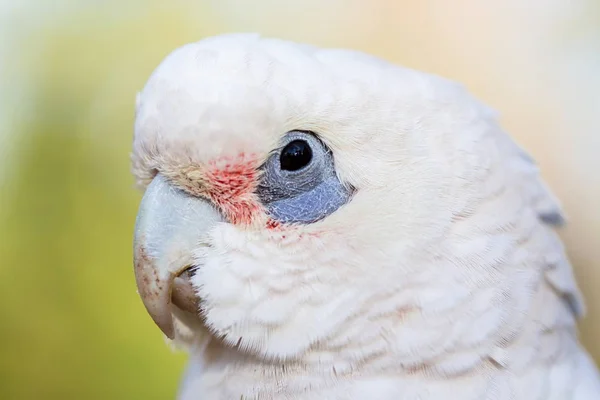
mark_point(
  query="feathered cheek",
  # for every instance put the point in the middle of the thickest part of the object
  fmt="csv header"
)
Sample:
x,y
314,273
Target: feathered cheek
x,y
229,283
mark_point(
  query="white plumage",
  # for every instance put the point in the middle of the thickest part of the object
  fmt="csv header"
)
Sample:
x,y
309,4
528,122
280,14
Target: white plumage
x,y
440,276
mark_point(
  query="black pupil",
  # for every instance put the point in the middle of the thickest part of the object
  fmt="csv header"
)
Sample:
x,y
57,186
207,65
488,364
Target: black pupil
x,y
295,155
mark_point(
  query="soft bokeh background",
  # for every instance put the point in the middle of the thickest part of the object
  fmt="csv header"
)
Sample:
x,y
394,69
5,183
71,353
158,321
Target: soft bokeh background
x,y
71,324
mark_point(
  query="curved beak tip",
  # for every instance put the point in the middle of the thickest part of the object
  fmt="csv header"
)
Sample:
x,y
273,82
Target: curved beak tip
x,y
168,227
155,291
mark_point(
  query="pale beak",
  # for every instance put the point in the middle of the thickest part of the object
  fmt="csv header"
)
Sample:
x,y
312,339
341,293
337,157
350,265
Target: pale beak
x,y
169,227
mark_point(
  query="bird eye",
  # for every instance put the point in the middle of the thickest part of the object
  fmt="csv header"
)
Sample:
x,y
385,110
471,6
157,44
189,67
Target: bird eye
x,y
296,155
299,183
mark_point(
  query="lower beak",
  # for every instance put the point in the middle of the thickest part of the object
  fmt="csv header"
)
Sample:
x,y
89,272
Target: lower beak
x,y
169,227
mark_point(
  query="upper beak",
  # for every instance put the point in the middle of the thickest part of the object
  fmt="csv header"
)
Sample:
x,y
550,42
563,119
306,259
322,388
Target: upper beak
x,y
169,227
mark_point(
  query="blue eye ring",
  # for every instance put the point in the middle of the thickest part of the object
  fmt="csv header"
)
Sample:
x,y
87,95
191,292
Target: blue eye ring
x,y
305,190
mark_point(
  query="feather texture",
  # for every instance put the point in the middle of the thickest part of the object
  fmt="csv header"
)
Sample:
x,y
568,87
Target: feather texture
x,y
442,278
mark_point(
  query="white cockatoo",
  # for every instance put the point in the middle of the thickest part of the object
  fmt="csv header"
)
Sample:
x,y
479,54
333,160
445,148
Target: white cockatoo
x,y
322,224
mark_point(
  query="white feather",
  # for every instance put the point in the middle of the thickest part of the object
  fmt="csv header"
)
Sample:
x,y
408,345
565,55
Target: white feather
x,y
441,279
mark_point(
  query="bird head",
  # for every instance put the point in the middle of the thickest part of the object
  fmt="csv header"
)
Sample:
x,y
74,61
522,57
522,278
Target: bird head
x,y
301,199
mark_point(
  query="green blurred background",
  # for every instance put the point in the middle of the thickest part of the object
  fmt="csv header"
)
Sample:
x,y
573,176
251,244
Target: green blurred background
x,y
72,326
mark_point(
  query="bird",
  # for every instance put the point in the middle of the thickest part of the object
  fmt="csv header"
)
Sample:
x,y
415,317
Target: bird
x,y
320,223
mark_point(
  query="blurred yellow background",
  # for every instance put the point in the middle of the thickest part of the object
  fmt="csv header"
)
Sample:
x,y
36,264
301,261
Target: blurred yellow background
x,y
72,326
